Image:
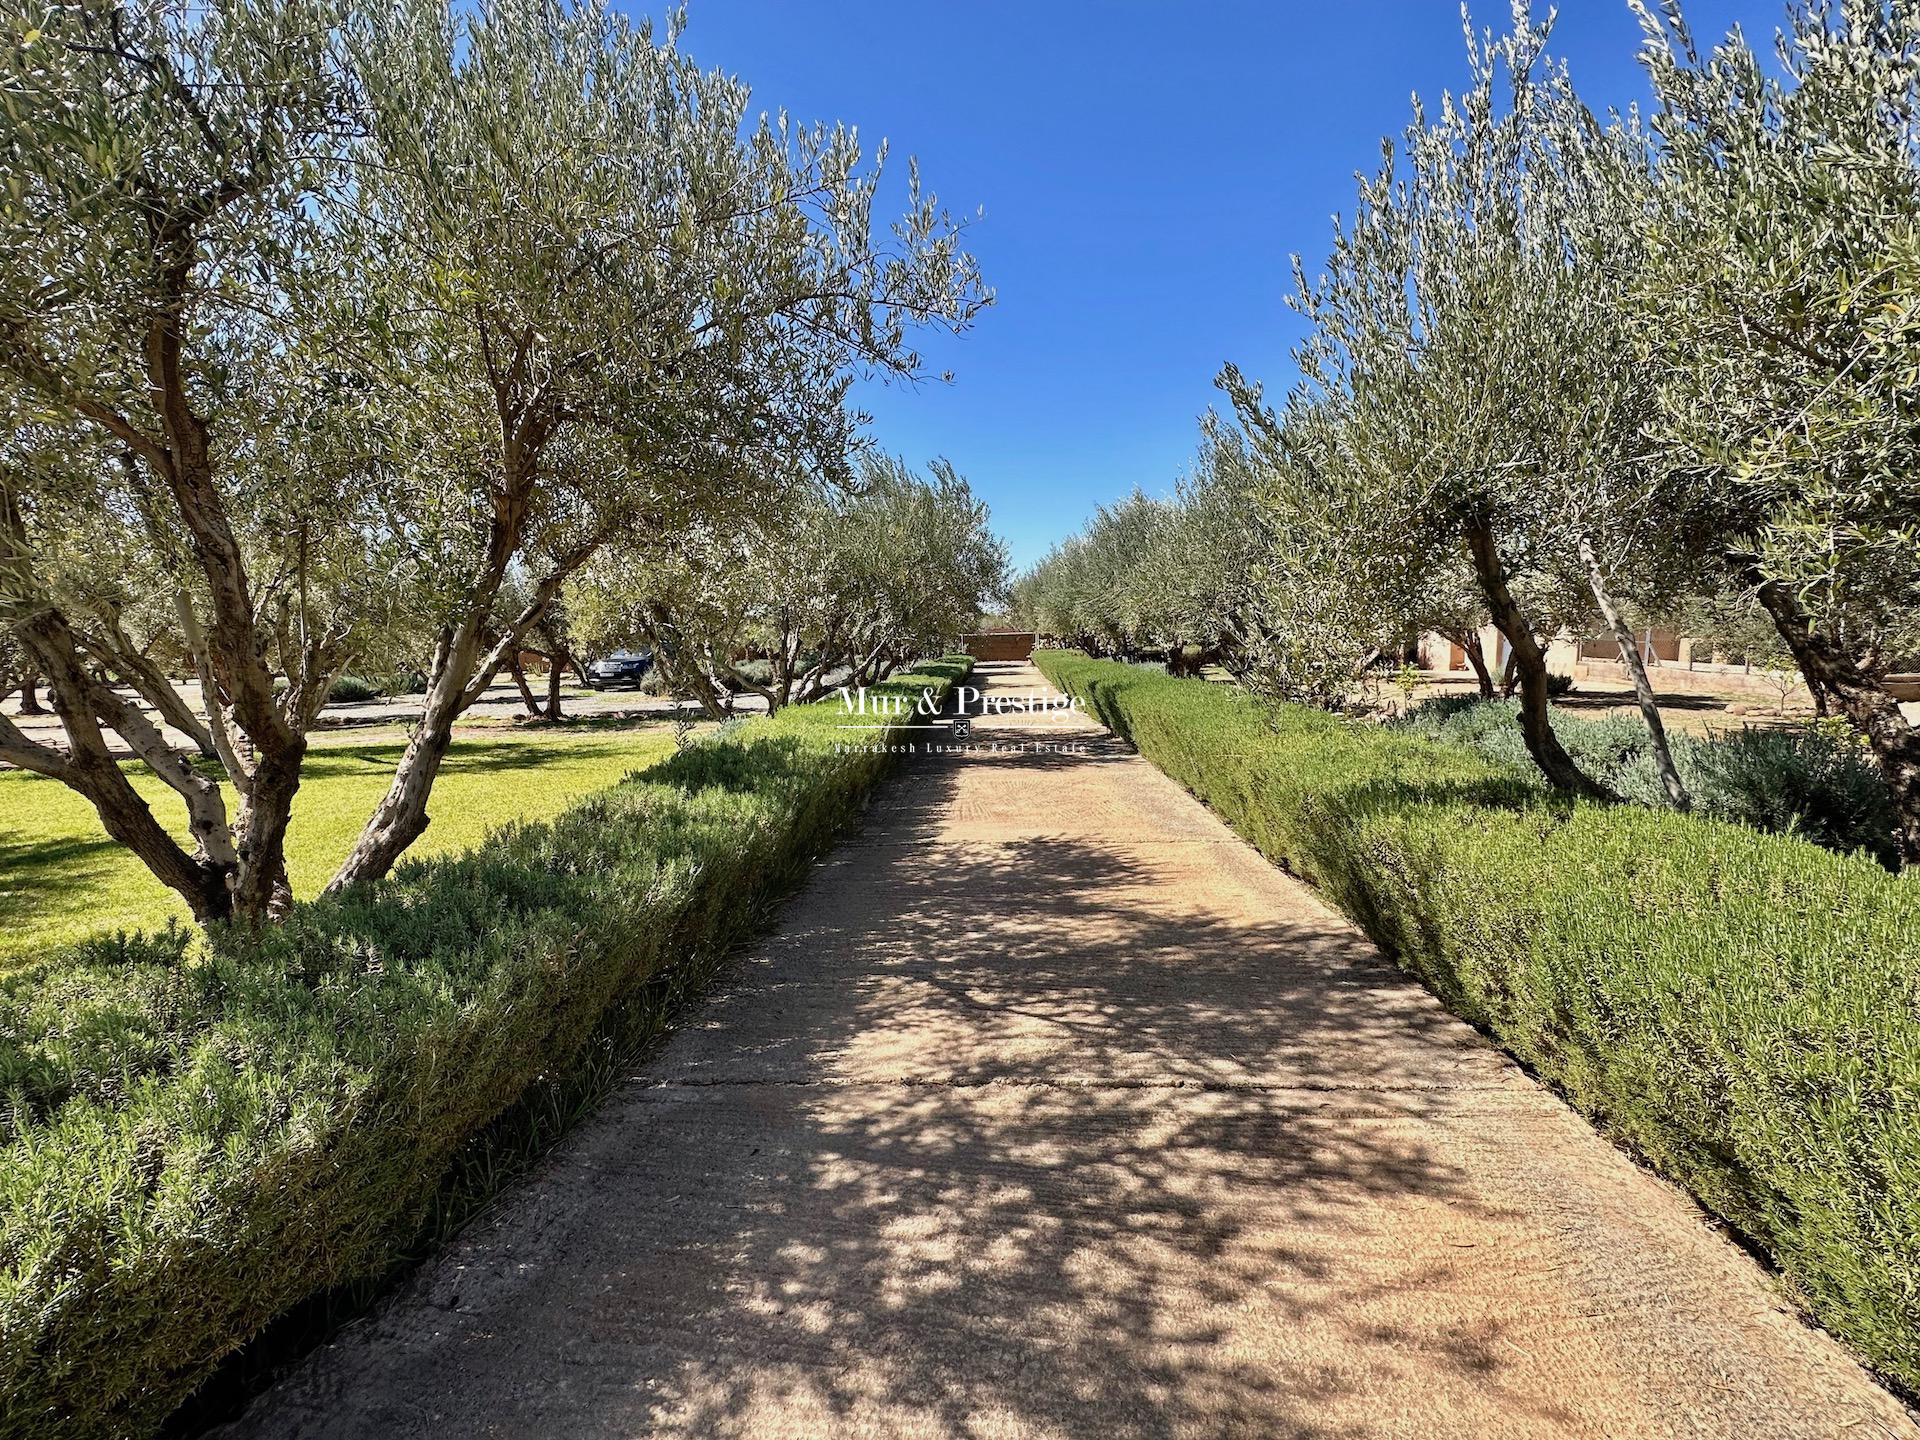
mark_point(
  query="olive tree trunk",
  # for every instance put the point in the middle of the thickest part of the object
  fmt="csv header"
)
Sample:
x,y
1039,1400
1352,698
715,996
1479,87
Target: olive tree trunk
x,y
527,698
1855,692
462,669
1530,665
1636,664
88,710
1476,653
556,672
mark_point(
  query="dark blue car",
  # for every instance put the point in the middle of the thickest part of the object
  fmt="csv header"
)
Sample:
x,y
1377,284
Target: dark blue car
x,y
622,667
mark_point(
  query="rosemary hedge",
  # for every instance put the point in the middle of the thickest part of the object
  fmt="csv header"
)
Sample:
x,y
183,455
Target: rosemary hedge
x,y
196,1139
1742,1009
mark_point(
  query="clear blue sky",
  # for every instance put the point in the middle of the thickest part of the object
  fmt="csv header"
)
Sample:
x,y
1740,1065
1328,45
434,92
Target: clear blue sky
x,y
1146,170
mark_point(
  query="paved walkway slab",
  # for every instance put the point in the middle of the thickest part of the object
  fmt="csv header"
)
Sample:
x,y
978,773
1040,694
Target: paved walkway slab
x,y
1052,1110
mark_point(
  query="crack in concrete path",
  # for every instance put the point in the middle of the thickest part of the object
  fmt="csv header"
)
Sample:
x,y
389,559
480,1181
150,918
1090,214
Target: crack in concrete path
x,y
1051,1110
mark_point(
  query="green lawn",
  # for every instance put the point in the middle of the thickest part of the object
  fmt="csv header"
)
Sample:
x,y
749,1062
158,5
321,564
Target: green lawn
x,y
62,878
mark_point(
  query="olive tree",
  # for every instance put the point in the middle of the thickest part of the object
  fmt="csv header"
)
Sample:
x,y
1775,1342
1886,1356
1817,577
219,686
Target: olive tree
x,y
1210,554
919,560
611,306
1404,458
335,314
159,239
1151,575
1045,597
1326,595
1469,410
1616,519
1783,293
839,583
17,676
1249,562
1105,589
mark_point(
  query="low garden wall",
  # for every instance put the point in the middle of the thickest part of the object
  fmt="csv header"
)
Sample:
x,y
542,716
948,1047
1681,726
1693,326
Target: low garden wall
x,y
1000,645
1741,1009
196,1139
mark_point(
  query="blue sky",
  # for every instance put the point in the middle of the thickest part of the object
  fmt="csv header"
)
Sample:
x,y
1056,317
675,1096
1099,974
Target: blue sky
x,y
1146,170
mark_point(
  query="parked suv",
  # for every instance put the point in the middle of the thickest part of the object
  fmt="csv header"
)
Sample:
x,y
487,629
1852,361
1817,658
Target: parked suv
x,y
622,667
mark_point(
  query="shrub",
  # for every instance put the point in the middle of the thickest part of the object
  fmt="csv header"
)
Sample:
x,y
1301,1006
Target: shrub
x,y
756,672
351,690
1805,781
1739,1008
190,1149
404,682
1808,781
1599,746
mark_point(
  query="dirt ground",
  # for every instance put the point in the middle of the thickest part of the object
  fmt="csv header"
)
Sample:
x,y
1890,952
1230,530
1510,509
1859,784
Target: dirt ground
x,y
1685,712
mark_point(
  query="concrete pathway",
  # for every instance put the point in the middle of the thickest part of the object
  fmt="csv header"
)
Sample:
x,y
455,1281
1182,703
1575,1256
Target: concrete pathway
x,y
1052,1110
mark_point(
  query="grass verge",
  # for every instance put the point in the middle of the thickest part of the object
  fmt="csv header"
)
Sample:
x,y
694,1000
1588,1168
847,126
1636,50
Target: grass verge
x,y
192,1147
1741,1009
62,878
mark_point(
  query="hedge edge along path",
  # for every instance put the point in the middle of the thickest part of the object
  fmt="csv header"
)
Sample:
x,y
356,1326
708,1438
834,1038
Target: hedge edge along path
x,y
1742,1010
193,1143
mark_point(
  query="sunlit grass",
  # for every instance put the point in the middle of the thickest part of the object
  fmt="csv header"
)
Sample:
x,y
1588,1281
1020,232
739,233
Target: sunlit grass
x,y
62,878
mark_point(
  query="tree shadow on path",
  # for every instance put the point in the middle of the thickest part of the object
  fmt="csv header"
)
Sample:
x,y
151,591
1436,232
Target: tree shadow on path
x,y
1005,1133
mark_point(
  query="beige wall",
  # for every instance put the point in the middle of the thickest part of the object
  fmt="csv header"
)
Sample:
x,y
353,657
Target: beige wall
x,y
1670,663
1441,654
1000,644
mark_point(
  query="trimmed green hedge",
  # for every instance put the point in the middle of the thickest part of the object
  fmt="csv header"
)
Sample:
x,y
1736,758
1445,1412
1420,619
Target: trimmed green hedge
x,y
1742,1009
195,1141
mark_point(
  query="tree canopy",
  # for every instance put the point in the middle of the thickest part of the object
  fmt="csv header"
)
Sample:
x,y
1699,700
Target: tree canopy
x,y
1562,369
325,324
